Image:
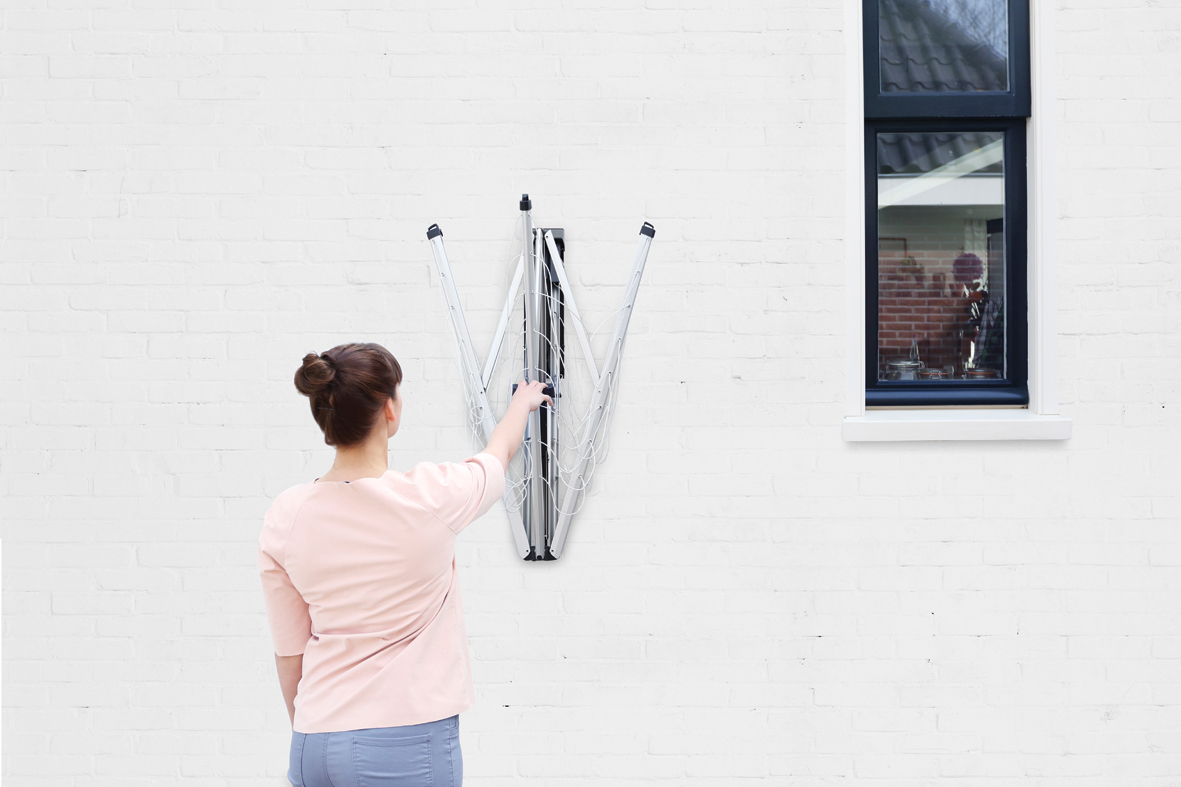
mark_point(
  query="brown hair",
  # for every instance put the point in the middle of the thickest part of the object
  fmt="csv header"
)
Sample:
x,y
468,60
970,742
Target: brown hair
x,y
348,386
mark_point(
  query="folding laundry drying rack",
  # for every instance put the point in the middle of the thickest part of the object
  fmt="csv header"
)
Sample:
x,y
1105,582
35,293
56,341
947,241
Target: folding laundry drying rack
x,y
547,481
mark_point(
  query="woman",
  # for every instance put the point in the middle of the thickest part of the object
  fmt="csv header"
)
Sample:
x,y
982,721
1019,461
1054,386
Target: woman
x,y
358,570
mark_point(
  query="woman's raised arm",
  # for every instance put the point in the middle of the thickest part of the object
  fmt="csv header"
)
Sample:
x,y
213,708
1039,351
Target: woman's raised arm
x,y
508,434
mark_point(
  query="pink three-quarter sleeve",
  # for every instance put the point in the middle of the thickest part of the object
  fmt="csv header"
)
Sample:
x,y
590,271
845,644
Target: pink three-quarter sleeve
x,y
460,492
287,612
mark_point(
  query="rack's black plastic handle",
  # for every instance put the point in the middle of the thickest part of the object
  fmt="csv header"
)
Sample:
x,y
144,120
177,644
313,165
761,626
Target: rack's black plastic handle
x,y
548,390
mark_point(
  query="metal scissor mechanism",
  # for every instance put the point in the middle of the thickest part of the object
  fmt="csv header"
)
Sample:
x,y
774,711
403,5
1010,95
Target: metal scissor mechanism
x,y
564,443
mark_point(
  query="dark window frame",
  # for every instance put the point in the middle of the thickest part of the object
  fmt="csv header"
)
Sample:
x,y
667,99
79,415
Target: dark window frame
x,y
954,112
1015,102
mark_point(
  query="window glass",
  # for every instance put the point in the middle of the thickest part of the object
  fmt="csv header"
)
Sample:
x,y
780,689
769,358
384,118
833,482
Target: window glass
x,y
941,256
937,46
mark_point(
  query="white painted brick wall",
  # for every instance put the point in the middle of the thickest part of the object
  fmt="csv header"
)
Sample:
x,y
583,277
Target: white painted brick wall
x,y
195,194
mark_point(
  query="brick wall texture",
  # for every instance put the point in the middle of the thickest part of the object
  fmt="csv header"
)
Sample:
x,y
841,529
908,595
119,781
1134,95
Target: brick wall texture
x,y
197,193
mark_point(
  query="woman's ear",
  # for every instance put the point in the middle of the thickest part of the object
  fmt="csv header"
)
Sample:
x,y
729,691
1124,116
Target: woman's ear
x,y
392,412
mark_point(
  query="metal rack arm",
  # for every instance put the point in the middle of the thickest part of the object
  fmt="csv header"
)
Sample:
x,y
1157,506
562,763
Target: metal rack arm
x,y
470,367
602,390
498,337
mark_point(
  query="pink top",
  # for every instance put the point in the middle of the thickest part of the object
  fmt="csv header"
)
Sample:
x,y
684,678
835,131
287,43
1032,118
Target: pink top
x,y
360,577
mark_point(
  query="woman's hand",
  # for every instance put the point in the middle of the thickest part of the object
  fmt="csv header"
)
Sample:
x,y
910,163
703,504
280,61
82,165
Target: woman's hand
x,y
531,396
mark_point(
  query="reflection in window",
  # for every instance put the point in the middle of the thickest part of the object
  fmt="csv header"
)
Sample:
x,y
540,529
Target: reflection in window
x,y
941,263
940,46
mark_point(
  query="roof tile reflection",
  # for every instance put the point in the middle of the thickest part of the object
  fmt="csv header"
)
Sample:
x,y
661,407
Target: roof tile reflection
x,y
928,46
914,154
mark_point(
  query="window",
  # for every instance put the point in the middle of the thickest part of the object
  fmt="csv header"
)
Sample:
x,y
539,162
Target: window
x,y
947,95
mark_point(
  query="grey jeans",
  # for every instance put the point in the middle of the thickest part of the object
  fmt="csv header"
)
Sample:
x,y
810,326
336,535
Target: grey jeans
x,y
419,755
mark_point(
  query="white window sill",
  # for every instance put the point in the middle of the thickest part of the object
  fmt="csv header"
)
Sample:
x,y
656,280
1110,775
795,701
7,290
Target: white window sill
x,y
895,425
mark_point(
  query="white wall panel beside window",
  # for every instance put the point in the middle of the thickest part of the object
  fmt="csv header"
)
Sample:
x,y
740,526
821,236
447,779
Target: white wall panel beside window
x,y
930,185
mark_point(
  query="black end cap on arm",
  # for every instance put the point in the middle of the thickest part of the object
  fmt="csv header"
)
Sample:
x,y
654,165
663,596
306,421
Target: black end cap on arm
x,y
525,203
433,231
648,230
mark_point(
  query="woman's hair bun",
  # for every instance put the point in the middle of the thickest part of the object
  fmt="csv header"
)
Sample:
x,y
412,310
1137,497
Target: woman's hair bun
x,y
347,387
315,375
